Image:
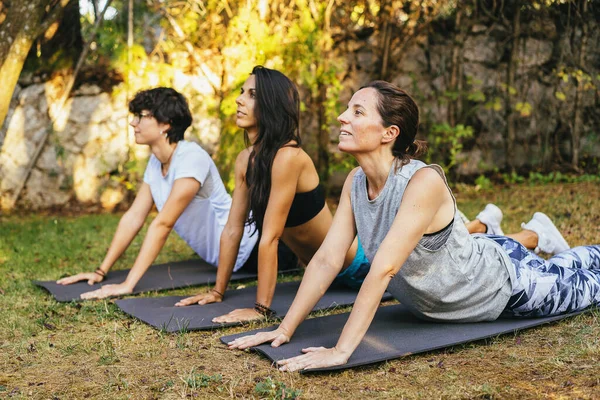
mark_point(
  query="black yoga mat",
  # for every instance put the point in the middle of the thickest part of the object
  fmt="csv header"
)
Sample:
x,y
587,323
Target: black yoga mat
x,y
394,333
158,277
161,313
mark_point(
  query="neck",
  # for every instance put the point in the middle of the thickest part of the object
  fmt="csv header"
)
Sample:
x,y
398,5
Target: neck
x,y
252,135
376,167
163,151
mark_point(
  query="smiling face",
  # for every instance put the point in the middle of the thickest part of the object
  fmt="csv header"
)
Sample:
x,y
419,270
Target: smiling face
x,y
147,129
246,101
362,129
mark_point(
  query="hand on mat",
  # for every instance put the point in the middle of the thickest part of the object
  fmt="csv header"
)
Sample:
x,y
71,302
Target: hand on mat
x,y
239,315
203,298
90,277
276,337
315,357
107,291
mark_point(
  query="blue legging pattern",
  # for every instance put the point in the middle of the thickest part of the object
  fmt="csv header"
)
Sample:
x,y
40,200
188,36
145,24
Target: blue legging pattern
x,y
567,282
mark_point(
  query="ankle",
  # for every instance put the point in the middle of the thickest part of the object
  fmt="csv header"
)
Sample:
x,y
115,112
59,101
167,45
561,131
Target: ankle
x,y
530,238
476,226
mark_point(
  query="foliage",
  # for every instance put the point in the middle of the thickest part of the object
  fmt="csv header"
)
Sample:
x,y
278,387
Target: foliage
x,y
536,178
272,389
196,380
447,141
484,183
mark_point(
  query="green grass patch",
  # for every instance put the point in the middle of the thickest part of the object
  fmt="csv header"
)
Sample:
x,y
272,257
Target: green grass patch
x,y
92,350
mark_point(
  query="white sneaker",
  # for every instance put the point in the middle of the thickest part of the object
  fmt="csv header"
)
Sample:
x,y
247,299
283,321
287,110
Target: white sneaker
x,y
549,238
491,216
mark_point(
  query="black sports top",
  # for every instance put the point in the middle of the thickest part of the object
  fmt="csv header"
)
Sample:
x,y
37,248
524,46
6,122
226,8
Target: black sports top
x,y
306,206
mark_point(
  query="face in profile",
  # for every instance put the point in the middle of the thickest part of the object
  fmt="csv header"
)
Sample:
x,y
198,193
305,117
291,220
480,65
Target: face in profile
x,y
146,128
244,117
361,127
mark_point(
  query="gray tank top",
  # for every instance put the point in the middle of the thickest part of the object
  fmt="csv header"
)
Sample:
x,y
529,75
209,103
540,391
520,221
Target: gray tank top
x,y
467,279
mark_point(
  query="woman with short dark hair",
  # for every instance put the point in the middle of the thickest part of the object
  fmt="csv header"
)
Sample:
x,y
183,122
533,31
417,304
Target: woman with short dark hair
x,y
183,181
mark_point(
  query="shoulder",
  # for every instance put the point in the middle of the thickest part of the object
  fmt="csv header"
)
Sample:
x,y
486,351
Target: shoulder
x,y
427,177
186,148
241,161
152,162
287,156
355,174
192,153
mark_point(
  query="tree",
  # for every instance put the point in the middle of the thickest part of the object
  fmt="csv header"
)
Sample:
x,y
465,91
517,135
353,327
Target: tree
x,y
23,22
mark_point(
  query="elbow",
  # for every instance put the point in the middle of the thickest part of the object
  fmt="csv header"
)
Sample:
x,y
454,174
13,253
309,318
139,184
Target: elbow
x,y
267,242
232,233
162,226
386,273
132,219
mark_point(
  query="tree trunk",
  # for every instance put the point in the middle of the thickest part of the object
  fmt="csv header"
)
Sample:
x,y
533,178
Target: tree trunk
x,y
63,38
577,118
386,30
25,21
455,75
323,131
510,83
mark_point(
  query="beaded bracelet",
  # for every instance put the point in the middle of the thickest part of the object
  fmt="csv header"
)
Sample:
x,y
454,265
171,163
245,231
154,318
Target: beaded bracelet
x,y
100,272
263,310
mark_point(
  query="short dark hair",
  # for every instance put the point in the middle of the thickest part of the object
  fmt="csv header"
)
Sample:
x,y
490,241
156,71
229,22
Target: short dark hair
x,y
168,106
396,107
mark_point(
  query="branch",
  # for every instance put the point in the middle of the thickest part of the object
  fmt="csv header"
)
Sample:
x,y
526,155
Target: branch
x,y
52,17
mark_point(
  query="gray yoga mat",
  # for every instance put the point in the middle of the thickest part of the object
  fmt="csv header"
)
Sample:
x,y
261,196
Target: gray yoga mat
x,y
158,277
161,313
394,333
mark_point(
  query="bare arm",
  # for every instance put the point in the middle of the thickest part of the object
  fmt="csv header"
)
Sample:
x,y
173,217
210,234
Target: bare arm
x,y
284,179
285,173
231,236
130,224
422,200
320,273
181,195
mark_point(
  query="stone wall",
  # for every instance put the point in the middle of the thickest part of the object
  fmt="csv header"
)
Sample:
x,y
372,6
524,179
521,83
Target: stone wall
x,y
543,135
92,139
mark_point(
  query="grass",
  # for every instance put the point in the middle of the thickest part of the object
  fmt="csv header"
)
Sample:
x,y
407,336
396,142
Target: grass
x,y
92,350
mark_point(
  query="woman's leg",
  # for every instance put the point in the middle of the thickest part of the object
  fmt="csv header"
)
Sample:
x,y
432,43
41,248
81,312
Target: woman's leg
x,y
569,281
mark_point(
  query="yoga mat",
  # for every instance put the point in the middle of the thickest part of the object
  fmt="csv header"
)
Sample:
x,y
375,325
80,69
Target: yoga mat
x,y
161,313
158,277
394,333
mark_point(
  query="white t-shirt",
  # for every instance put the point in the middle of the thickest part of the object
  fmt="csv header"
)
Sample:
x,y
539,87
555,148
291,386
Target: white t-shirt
x,y
201,223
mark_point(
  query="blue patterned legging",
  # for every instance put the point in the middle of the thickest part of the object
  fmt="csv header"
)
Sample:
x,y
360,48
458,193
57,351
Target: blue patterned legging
x,y
567,282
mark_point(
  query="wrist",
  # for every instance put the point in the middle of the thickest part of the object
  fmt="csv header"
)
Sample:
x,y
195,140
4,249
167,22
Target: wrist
x,y
264,310
99,274
217,292
344,352
286,331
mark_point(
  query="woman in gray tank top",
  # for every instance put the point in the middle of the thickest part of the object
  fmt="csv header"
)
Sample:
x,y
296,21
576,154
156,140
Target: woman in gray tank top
x,y
406,218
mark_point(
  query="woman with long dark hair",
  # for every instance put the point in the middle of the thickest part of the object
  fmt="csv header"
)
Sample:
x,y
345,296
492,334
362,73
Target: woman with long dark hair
x,y
420,251
277,188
